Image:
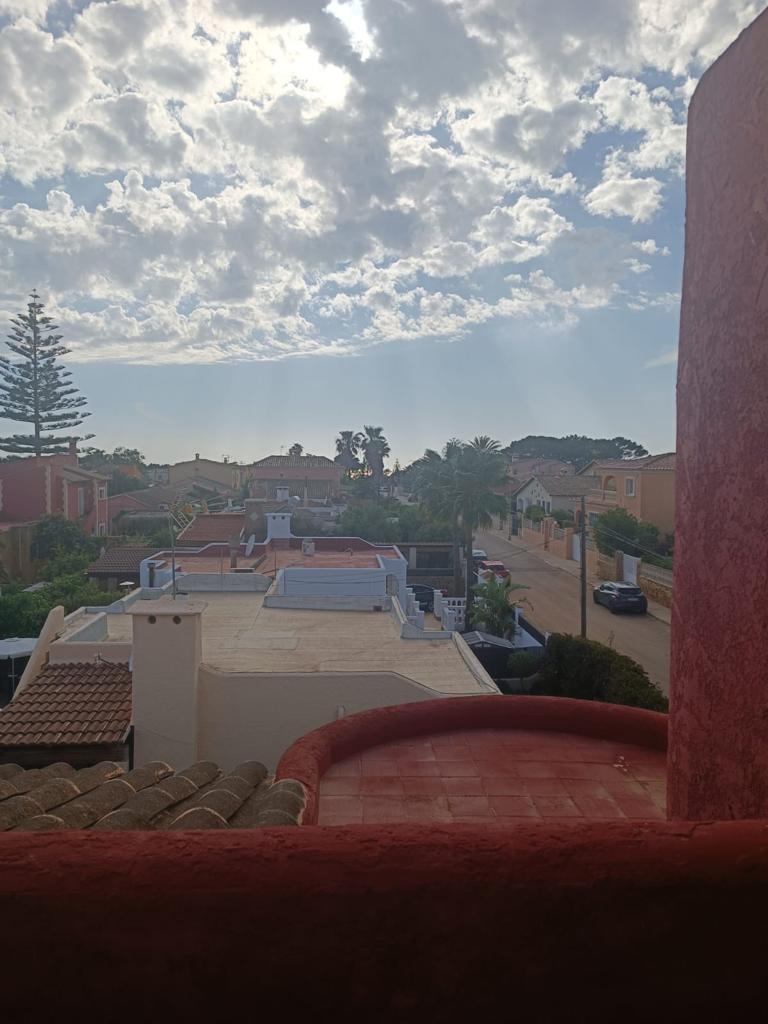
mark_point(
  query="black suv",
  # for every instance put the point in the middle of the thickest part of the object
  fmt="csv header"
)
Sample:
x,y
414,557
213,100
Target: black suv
x,y
621,597
425,596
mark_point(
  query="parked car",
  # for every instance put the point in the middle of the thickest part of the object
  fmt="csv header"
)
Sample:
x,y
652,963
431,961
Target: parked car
x,y
425,596
478,555
497,569
621,597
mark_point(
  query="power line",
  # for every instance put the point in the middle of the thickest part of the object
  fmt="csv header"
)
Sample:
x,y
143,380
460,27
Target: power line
x,y
631,542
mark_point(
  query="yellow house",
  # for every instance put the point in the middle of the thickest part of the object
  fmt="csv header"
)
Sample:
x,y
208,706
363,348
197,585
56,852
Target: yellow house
x,y
228,474
645,487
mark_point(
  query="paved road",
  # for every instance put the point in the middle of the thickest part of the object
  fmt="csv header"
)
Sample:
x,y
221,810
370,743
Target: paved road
x,y
554,596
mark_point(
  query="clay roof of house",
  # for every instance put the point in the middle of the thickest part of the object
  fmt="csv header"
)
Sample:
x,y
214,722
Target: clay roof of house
x,y
297,461
153,796
568,486
655,462
72,704
212,528
120,559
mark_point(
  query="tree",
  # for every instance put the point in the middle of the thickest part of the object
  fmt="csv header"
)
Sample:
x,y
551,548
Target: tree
x,y
347,450
617,528
375,448
296,449
575,448
55,533
493,608
35,388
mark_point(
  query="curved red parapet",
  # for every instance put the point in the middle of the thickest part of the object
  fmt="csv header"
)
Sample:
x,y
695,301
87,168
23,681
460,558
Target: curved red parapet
x,y
309,758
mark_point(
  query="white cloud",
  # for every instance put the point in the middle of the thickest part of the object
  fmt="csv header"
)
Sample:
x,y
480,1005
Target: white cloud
x,y
210,179
668,358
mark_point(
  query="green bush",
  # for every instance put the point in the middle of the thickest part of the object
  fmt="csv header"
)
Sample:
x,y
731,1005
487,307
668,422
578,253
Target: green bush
x,y
588,670
535,513
522,664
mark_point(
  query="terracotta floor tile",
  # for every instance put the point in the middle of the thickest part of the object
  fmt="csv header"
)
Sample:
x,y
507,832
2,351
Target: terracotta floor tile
x,y
497,769
380,768
453,753
556,806
513,806
349,767
343,785
458,769
640,809
591,807
383,809
428,809
475,819
586,788
413,768
545,787
337,820
536,770
424,785
463,787
504,786
469,805
385,786
335,806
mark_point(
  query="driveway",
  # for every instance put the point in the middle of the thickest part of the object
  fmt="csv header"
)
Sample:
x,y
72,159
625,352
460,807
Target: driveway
x,y
554,597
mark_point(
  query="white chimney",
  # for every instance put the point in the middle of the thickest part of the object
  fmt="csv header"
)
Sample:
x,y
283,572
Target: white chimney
x,y
278,525
167,653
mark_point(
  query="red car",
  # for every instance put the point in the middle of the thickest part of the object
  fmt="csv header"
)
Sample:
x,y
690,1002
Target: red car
x,y
497,569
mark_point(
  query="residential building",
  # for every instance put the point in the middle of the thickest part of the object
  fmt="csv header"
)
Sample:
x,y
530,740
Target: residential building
x,y
554,492
118,565
523,469
306,476
53,485
645,487
226,473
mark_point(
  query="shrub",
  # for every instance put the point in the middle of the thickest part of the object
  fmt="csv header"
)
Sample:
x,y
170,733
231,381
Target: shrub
x,y
522,664
535,513
588,670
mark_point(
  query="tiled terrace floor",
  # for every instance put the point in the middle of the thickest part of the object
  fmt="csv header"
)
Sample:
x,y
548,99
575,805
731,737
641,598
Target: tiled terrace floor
x,y
495,777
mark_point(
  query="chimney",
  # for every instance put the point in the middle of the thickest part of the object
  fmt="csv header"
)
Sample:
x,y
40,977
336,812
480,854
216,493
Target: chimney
x,y
73,447
167,653
197,456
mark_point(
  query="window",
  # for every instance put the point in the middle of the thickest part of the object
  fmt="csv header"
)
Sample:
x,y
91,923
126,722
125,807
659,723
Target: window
x,y
102,529
629,487
102,493
81,501
593,517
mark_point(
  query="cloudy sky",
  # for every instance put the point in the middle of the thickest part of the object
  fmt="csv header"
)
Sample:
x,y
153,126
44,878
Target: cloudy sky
x,y
264,221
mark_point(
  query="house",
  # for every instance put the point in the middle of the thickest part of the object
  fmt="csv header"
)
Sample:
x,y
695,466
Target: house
x,y
53,485
225,473
308,476
523,469
554,492
119,565
153,503
645,487
78,712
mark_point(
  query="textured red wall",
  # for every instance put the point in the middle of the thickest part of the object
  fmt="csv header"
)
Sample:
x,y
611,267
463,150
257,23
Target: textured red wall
x,y
309,757
23,490
719,715
613,922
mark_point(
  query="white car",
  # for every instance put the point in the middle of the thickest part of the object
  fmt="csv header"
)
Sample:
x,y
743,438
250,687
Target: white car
x,y
478,555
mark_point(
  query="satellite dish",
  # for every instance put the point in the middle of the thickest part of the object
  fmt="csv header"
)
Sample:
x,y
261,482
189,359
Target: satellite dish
x,y
250,545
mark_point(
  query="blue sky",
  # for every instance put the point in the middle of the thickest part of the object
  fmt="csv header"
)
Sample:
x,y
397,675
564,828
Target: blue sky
x,y
261,222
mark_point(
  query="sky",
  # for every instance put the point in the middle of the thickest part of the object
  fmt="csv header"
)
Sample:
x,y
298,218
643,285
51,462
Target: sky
x,y
259,222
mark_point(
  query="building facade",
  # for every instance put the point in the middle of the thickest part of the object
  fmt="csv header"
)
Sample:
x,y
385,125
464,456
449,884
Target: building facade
x,y
53,485
644,487
308,476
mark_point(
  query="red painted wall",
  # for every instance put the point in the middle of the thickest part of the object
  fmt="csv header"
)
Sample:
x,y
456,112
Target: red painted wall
x,y
614,922
23,490
719,709
309,757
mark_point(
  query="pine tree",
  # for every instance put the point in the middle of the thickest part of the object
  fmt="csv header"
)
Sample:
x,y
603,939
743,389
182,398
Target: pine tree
x,y
34,388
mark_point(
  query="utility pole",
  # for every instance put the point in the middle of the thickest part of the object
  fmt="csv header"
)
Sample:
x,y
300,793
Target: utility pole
x,y
173,555
509,528
583,531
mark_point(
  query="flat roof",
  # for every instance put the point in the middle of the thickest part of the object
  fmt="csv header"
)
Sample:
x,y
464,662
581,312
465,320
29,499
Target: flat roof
x,y
496,777
241,635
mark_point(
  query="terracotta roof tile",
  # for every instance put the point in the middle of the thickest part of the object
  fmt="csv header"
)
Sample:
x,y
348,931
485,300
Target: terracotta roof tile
x,y
212,528
297,461
151,797
76,703
121,559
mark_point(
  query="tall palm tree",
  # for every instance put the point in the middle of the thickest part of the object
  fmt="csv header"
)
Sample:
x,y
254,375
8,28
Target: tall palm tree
x,y
484,443
347,449
433,486
375,448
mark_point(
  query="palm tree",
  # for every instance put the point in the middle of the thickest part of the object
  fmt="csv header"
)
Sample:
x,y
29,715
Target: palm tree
x,y
494,609
433,486
375,448
483,443
347,449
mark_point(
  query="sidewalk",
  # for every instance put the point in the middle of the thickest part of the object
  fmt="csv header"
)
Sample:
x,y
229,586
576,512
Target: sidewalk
x,y
656,610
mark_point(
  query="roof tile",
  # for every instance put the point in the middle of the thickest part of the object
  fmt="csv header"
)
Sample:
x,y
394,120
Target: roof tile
x,y
69,704
121,559
213,528
297,461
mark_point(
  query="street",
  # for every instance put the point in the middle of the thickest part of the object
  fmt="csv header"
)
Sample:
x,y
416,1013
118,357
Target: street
x,y
554,605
